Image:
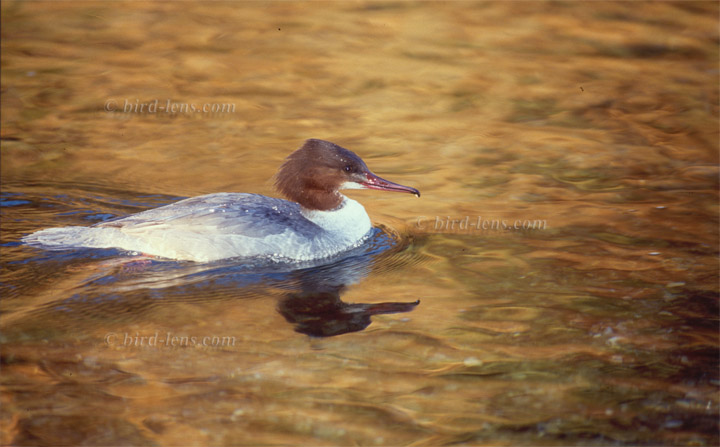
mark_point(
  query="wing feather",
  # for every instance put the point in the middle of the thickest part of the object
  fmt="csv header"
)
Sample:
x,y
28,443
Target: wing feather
x,y
249,215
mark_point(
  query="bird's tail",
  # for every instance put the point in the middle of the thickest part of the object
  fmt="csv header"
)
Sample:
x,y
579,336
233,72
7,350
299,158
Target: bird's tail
x,y
62,238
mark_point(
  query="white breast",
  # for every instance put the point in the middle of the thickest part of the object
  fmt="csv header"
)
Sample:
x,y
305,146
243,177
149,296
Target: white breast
x,y
349,223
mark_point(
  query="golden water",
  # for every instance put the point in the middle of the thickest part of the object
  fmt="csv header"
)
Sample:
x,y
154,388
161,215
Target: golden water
x,y
596,123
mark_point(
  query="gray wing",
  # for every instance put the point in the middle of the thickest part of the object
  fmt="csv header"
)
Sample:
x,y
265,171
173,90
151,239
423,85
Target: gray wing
x,y
250,215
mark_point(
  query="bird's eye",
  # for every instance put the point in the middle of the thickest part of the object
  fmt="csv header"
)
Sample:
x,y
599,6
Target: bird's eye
x,y
348,168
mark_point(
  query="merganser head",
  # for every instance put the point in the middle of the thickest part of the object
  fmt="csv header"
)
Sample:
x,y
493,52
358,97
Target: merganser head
x,y
313,174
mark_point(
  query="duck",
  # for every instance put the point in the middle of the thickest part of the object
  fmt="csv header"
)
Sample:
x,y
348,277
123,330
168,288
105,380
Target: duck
x,y
316,221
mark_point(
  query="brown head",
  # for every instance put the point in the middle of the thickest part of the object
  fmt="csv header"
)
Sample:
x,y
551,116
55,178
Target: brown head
x,y
313,174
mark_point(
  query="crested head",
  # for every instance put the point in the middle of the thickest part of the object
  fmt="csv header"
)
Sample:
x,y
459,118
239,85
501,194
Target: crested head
x,y
313,174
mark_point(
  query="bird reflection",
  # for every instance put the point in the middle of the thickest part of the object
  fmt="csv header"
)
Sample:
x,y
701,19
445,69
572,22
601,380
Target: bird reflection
x,y
321,313
315,307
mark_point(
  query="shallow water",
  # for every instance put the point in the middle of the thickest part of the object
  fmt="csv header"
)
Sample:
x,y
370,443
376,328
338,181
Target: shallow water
x,y
593,126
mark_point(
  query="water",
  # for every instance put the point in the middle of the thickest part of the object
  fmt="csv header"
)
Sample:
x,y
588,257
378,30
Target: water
x,y
592,128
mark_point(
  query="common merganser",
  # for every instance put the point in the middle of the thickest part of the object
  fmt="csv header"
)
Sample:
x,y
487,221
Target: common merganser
x,y
318,222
